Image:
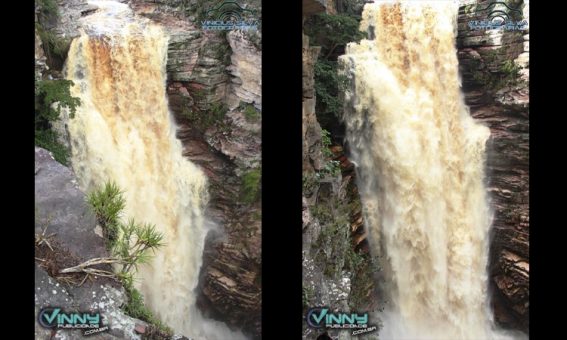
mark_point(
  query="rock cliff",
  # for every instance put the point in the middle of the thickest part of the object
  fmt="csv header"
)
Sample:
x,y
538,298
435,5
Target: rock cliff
x,y
336,267
495,76
67,234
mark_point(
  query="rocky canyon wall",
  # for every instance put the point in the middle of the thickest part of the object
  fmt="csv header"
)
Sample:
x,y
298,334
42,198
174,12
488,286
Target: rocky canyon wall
x,y
336,266
494,66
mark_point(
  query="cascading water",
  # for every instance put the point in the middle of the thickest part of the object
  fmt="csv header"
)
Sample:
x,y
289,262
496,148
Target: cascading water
x,y
420,171
124,132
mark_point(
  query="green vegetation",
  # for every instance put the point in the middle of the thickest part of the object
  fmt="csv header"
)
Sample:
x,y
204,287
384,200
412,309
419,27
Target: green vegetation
x,y
363,281
310,183
350,7
221,49
47,9
332,33
55,48
47,139
51,96
251,186
353,260
328,84
507,74
108,203
251,114
131,243
203,119
326,143
332,167
137,309
333,242
510,69
334,252
134,243
216,112
50,92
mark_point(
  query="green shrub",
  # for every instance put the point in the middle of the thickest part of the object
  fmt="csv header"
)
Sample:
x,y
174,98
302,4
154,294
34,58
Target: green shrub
x,y
108,203
51,96
47,139
55,48
507,74
353,260
131,243
363,281
328,84
49,92
510,69
251,114
333,242
310,183
331,167
203,119
331,31
217,111
47,9
137,309
251,186
326,143
134,243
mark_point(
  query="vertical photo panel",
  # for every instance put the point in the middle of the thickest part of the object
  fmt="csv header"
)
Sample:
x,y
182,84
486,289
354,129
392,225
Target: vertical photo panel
x,y
148,172
415,169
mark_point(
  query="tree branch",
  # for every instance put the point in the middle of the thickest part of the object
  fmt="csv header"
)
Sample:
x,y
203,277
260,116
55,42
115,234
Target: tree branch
x,y
84,267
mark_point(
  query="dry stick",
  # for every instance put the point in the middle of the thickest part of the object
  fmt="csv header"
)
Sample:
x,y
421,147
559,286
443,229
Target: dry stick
x,y
83,267
43,238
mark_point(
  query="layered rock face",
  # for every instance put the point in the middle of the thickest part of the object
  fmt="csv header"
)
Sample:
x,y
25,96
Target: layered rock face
x,y
311,130
495,73
214,91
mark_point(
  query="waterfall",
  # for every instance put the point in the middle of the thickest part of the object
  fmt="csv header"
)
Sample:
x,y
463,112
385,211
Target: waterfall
x,y
420,158
124,132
